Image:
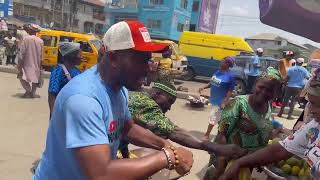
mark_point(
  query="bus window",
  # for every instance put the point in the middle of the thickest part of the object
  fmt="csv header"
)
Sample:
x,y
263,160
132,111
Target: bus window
x,y
50,41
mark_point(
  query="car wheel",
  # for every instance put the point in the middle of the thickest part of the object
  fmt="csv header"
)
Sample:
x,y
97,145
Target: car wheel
x,y
188,75
240,87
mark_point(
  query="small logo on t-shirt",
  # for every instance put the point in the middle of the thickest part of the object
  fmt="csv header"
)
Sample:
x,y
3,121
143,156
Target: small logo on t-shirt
x,y
215,81
113,126
115,131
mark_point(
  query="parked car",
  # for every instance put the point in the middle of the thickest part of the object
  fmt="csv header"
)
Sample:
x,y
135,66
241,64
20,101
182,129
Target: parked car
x,y
241,69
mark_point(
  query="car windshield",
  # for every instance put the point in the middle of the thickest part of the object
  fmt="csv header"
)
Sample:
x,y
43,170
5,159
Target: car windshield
x,y
97,44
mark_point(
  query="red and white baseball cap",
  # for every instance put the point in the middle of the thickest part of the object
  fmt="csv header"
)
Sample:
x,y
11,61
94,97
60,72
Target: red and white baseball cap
x,y
130,35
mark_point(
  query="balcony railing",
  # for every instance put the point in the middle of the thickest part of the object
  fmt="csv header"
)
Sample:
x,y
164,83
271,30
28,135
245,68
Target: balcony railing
x,y
130,6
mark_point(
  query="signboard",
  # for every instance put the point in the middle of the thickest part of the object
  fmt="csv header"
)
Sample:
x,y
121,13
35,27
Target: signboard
x,y
208,16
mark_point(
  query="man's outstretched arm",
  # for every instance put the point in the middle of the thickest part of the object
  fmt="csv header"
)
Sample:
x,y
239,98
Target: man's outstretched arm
x,y
185,138
139,136
96,163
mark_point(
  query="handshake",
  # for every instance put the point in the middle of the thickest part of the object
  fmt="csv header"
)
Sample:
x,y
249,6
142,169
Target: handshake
x,y
179,159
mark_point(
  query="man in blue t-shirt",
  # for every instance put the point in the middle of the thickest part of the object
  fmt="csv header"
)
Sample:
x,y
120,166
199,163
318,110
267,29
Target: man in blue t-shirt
x,y
221,86
297,76
254,69
91,115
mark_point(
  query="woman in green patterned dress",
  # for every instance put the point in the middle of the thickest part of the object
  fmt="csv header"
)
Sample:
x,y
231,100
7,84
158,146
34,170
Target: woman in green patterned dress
x,y
246,120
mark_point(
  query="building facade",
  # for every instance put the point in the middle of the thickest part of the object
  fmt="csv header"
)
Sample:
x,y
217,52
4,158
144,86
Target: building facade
x,y
195,13
5,8
273,44
84,16
165,19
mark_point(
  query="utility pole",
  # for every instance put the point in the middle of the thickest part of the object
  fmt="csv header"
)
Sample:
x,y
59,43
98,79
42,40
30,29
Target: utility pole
x,y
53,6
73,12
62,14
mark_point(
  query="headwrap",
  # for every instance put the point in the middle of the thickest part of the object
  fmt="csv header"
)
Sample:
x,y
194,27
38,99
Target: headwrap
x,y
230,61
271,73
66,48
165,88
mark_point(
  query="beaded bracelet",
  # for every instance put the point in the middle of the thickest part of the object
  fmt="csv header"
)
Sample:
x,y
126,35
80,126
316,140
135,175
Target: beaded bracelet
x,y
176,156
171,164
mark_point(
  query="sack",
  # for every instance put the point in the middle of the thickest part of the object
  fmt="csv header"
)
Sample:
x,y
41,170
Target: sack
x,y
41,80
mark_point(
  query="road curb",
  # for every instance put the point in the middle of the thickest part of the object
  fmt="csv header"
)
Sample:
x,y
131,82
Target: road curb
x,y
13,70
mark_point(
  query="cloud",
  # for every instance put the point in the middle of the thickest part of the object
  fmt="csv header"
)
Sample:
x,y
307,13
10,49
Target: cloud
x,y
242,11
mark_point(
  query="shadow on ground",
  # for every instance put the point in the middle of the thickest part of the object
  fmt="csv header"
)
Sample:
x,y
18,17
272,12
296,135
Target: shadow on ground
x,y
19,95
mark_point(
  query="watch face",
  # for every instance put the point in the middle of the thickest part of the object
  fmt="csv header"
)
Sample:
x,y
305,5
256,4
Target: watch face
x,y
311,5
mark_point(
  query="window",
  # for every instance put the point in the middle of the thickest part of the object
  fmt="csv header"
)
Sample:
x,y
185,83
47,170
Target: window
x,y
66,39
49,41
76,23
277,43
184,4
263,42
2,1
192,27
85,47
88,27
156,2
180,27
154,24
195,6
1,14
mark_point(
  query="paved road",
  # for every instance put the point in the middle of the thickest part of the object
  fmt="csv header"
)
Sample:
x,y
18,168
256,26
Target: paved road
x,y
24,125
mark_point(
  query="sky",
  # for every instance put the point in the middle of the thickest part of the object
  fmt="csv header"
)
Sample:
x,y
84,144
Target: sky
x,y
241,18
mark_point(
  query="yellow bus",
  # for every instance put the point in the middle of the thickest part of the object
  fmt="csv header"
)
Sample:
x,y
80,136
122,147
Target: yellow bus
x,y
205,51
90,46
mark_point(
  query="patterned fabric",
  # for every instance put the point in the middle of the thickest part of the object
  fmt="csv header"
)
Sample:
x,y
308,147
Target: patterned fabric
x,y
146,112
58,79
243,126
305,143
271,73
166,89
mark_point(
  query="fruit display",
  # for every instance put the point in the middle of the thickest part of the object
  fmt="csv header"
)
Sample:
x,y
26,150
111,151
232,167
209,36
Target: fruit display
x,y
293,168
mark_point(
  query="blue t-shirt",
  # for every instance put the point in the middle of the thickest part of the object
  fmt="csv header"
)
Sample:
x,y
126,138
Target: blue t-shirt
x,y
58,79
86,112
254,71
221,83
297,76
